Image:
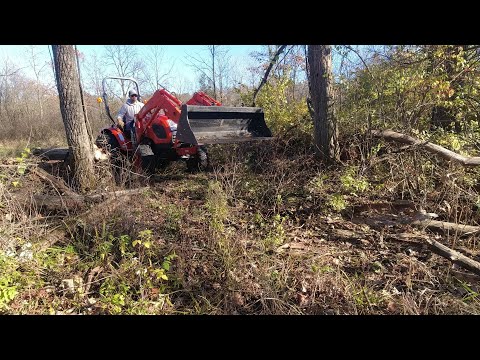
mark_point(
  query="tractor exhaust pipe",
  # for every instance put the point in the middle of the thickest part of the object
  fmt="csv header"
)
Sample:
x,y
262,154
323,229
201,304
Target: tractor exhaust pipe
x,y
200,125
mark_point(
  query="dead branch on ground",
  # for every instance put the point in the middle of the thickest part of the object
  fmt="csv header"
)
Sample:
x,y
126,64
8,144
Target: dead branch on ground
x,y
391,135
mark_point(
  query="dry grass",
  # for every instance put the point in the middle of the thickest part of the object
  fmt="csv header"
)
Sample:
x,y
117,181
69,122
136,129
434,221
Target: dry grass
x,y
256,235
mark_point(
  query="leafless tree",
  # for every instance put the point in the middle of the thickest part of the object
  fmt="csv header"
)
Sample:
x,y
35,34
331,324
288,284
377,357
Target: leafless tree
x,y
125,61
158,69
9,76
94,71
212,67
38,65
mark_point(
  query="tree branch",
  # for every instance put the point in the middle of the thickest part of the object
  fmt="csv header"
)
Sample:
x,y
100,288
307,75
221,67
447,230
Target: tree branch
x,y
265,77
454,256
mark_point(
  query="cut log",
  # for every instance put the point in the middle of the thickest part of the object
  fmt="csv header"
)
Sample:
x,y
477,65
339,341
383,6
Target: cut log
x,y
433,148
454,256
51,153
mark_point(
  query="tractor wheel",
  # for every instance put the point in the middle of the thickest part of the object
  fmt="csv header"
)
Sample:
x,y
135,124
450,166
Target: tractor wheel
x,y
149,164
199,162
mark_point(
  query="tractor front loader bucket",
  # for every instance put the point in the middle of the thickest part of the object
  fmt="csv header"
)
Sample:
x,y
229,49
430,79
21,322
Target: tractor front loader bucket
x,y
221,124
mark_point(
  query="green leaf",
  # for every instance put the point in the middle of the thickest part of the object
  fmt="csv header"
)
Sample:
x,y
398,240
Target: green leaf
x,y
21,169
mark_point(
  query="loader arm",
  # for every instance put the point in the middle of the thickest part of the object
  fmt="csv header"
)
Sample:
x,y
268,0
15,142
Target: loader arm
x,y
161,100
200,98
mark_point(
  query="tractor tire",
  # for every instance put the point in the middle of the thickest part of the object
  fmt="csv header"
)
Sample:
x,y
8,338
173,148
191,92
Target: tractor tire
x,y
148,158
199,162
149,164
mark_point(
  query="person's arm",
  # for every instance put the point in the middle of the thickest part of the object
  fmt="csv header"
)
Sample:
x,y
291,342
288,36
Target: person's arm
x,y
120,115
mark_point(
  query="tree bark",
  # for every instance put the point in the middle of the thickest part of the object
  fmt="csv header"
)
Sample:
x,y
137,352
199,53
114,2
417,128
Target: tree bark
x,y
213,72
321,92
80,145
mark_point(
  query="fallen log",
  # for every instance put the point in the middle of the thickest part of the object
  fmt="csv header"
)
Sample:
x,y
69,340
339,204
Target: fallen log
x,y
58,202
433,148
446,227
17,165
420,221
56,182
454,256
396,204
74,201
114,194
51,153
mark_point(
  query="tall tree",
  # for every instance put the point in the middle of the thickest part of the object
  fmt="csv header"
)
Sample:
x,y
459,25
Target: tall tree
x,y
213,68
79,143
320,79
124,59
158,69
37,65
94,70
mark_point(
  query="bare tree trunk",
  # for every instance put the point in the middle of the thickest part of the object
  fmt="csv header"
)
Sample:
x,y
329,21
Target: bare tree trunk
x,y
213,72
80,145
321,92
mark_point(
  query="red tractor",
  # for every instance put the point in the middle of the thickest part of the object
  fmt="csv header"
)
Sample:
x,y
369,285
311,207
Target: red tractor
x,y
166,130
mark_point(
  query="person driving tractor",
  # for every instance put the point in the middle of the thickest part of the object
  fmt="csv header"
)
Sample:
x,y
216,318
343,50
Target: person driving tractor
x,y
127,112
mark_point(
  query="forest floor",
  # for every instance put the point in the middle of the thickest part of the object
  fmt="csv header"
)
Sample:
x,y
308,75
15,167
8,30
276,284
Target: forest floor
x,y
267,230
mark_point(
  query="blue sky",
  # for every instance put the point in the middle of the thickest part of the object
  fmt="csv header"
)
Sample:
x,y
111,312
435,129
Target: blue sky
x,y
174,55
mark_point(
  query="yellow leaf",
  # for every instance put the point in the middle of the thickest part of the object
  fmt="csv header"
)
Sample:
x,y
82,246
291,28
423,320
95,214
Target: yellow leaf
x,y
147,244
15,183
164,277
